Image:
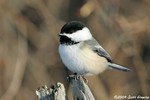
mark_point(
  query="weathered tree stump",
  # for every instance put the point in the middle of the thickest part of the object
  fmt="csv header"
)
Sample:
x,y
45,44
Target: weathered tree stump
x,y
79,88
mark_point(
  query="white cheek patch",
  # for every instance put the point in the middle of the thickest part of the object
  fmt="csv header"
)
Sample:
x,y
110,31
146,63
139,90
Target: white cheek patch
x,y
80,35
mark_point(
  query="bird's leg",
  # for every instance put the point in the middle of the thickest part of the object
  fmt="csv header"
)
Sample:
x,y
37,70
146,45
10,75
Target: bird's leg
x,y
81,76
75,76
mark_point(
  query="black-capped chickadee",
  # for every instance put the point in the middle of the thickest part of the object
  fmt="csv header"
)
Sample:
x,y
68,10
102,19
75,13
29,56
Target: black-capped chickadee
x,y
81,53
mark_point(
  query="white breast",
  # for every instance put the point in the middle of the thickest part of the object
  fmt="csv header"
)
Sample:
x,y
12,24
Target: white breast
x,y
82,61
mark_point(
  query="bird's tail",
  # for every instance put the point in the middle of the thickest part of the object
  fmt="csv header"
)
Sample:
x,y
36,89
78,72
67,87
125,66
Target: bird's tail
x,y
118,67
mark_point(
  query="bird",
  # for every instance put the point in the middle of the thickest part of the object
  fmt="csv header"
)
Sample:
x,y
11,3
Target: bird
x,y
81,53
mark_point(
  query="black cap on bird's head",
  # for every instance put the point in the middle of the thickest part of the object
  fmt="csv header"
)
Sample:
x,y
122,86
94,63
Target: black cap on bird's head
x,y
74,32
72,27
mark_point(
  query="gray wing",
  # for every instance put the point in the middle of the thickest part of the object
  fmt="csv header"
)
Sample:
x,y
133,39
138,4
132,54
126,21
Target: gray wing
x,y
94,45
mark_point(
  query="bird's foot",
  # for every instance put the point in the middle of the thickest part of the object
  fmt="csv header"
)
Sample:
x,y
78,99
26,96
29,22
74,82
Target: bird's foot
x,y
78,77
75,76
